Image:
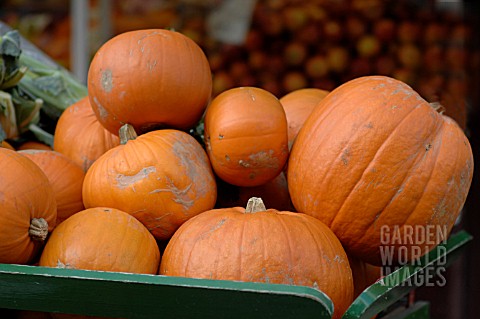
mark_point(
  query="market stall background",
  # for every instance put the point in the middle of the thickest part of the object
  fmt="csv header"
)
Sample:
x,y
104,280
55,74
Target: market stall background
x,y
283,45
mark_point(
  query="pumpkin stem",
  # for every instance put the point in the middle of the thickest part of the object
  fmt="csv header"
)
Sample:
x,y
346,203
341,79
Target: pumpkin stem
x,y
254,205
438,107
126,133
38,230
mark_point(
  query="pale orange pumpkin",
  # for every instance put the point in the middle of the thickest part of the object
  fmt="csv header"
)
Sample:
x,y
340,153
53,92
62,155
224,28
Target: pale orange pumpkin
x,y
66,179
260,245
163,178
151,79
298,105
104,239
373,160
27,208
246,136
80,136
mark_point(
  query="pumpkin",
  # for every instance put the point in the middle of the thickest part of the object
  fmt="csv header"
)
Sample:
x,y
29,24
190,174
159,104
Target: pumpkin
x,y
273,193
364,275
298,105
80,136
104,239
33,145
246,136
150,79
375,162
7,145
260,245
27,208
162,178
66,179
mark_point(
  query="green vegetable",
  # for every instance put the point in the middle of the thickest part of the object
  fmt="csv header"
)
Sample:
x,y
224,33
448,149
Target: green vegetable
x,y
33,93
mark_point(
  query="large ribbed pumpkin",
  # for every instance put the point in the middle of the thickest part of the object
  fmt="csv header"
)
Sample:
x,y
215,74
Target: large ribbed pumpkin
x,y
163,178
259,245
66,179
80,136
103,239
150,79
27,208
246,136
298,105
375,162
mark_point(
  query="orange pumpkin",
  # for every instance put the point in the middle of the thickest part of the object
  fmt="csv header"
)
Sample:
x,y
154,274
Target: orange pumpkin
x,y
66,178
364,275
150,79
104,239
375,160
80,136
259,245
7,145
273,193
298,105
33,145
162,178
246,136
27,208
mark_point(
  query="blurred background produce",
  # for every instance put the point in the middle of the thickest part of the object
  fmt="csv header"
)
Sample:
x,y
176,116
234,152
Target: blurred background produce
x,y
290,44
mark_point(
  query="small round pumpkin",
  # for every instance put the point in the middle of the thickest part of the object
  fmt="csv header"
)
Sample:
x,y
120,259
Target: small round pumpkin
x,y
260,245
151,79
104,239
80,136
66,179
375,159
27,208
298,105
246,136
163,178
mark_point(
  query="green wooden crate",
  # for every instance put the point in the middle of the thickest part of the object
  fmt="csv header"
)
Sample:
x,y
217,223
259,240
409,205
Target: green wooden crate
x,y
151,296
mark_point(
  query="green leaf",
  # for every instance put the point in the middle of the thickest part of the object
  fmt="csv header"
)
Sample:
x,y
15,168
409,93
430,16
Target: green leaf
x,y
10,44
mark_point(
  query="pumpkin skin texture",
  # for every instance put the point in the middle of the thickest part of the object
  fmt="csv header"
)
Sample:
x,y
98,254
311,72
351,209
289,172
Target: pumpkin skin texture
x,y
27,208
80,136
104,239
298,105
162,178
246,136
258,245
150,79
402,166
66,179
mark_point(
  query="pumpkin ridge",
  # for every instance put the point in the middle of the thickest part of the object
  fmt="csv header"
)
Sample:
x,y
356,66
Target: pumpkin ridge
x,y
331,244
408,176
306,157
288,235
378,149
434,166
415,164
240,254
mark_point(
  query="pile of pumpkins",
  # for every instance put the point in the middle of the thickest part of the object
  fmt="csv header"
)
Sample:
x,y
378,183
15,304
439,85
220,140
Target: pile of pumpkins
x,y
128,189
